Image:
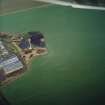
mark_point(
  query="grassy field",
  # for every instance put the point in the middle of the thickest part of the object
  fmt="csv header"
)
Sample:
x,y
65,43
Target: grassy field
x,y
73,71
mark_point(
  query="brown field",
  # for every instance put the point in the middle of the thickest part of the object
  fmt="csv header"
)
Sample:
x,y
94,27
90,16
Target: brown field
x,y
8,6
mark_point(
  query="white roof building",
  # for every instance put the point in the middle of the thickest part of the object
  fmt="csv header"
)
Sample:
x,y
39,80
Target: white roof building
x,y
11,65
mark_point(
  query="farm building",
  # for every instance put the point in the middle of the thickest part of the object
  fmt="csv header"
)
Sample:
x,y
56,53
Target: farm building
x,y
11,64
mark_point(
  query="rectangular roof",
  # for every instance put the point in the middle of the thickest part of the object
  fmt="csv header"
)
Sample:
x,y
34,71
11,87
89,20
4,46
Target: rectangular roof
x,y
12,64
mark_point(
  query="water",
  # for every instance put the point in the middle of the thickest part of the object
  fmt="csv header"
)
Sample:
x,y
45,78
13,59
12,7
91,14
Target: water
x,y
72,73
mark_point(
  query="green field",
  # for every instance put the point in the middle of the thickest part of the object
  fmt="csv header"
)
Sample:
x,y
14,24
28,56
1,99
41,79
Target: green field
x,y
73,71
